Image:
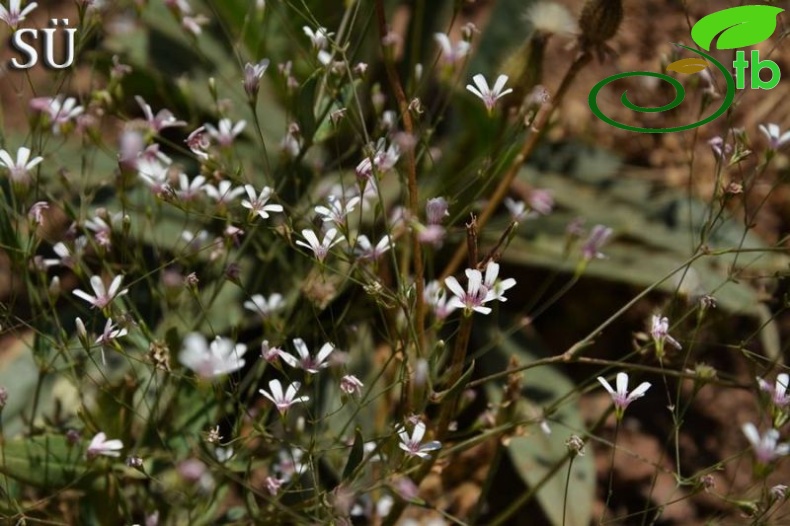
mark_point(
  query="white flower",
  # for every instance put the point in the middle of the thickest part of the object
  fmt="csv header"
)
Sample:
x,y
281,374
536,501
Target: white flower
x,y
67,257
99,445
517,209
14,14
320,248
160,121
252,76
367,251
19,169
221,357
591,249
475,295
496,288
60,111
265,307
436,297
659,330
306,362
110,333
350,384
776,139
227,131
223,192
189,190
766,447
412,444
487,95
338,209
319,37
103,297
153,172
778,391
257,204
283,401
451,55
622,398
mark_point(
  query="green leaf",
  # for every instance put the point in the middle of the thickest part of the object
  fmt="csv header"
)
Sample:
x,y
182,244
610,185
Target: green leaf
x,y
739,27
355,457
535,454
44,461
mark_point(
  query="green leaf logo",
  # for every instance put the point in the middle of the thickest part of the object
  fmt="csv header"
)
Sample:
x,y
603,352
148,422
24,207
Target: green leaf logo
x,y
739,27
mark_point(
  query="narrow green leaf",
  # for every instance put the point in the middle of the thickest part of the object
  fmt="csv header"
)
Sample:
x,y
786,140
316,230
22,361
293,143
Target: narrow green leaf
x,y
355,457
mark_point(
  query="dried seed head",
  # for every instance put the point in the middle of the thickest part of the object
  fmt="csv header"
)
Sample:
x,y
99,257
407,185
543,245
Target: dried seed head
x,y
599,21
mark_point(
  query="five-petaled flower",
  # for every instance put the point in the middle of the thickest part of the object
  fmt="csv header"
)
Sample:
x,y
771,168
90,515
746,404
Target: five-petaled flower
x,y
319,37
283,401
776,139
163,119
450,54
310,364
489,96
320,248
778,391
258,203
622,398
252,76
99,445
413,444
264,306
103,297
19,170
591,249
219,358
766,447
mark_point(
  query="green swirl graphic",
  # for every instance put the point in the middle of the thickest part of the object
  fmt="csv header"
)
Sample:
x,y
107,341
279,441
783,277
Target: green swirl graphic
x,y
680,94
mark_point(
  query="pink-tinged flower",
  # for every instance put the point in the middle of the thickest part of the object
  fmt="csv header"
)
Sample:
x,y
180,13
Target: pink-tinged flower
x,y
489,96
283,401
19,170
320,248
60,111
160,121
622,398
67,257
103,297
198,142
766,447
253,73
36,212
257,203
776,139
659,331
384,159
367,251
190,190
110,333
777,392
102,231
270,354
194,24
436,210
310,364
431,235
475,295
154,173
263,306
224,192
720,148
413,444
320,37
451,54
496,287
99,445
350,384
227,131
219,358
541,201
273,485
338,209
436,297
591,249
15,14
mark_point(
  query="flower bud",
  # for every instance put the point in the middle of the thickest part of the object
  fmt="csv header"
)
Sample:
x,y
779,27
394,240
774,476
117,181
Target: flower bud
x,y
599,21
